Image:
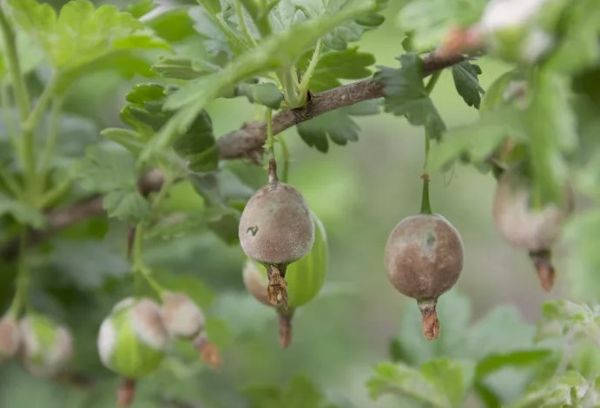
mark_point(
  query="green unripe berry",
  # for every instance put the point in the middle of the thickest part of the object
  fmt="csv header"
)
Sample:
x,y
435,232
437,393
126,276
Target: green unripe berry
x,y
132,339
304,277
47,346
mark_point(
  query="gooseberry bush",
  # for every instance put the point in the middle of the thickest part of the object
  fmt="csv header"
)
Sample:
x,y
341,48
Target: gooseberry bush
x,y
153,236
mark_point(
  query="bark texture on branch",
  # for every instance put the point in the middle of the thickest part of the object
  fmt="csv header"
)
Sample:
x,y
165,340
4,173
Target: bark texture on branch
x,y
250,138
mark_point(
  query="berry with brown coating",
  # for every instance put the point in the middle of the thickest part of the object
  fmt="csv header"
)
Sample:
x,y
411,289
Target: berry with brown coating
x,y
276,229
423,259
525,227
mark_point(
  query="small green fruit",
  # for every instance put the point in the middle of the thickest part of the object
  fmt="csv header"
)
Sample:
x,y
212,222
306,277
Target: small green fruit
x,y
132,339
47,347
181,317
10,337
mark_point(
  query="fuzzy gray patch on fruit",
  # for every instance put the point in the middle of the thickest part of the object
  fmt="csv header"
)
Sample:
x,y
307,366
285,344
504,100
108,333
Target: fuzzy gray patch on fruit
x,y
255,282
181,316
107,339
523,226
10,337
424,256
276,227
45,360
62,351
147,323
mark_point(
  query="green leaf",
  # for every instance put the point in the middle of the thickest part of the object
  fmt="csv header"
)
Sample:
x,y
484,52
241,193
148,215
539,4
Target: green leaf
x,y
81,33
499,361
406,382
578,46
566,390
220,188
581,234
87,263
500,331
429,21
174,25
197,146
405,95
299,393
452,378
183,68
551,128
266,94
277,51
336,65
465,76
476,142
105,169
21,212
562,316
337,125
112,172
126,205
129,139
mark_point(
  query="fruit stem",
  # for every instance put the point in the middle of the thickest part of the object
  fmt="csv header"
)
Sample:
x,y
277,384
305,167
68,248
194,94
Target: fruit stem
x,y
273,179
209,352
286,160
271,148
126,393
22,281
431,324
285,326
425,206
543,265
277,289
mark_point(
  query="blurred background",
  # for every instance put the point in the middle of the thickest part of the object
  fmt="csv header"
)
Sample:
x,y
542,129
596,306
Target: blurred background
x,y
360,191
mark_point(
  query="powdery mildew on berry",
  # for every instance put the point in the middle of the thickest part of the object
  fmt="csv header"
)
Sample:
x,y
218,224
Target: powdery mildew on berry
x,y
522,225
276,227
10,337
41,358
424,256
147,323
181,316
107,338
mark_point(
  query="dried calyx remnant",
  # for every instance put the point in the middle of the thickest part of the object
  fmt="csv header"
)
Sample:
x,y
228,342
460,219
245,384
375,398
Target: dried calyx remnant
x,y
534,229
276,229
424,258
257,286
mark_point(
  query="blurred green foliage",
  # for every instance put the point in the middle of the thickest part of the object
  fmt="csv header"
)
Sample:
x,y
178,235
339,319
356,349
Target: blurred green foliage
x,y
110,86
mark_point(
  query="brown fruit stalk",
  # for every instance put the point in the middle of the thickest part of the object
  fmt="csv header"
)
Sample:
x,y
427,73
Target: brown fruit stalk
x,y
424,258
257,286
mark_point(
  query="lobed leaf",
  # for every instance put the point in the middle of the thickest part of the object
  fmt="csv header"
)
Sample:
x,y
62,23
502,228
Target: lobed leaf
x,y
405,95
